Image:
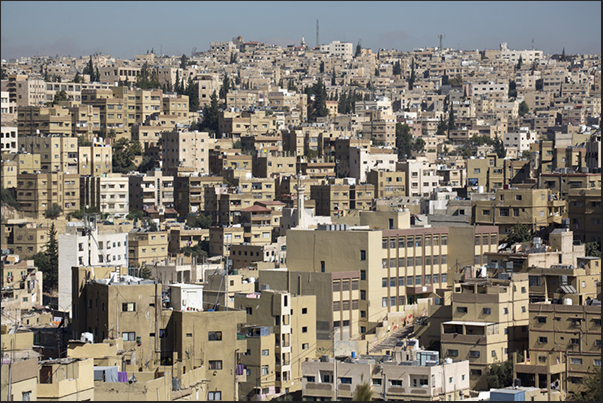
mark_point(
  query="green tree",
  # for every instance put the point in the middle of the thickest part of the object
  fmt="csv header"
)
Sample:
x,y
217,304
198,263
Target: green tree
x,y
500,375
48,261
211,114
499,148
519,63
451,124
403,141
411,81
89,70
202,220
512,93
358,50
82,141
9,197
363,392
53,211
317,108
225,87
78,78
376,72
418,145
442,127
192,91
593,249
519,233
397,70
183,61
60,96
523,108
590,390
124,152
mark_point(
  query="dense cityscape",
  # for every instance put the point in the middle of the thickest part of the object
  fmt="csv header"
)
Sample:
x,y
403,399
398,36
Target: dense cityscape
x,y
302,222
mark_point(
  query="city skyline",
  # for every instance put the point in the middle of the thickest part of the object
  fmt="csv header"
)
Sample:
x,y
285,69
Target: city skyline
x,y
465,25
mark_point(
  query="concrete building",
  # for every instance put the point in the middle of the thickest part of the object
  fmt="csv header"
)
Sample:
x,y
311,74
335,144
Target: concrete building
x,y
408,375
584,214
344,50
57,153
95,159
36,192
107,192
421,176
362,161
147,247
151,190
292,319
77,248
489,322
184,150
66,379
9,139
534,207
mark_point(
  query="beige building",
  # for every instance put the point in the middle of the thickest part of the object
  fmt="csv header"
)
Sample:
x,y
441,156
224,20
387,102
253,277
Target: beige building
x,y
95,159
189,194
107,192
66,379
12,164
564,347
489,322
292,319
57,152
184,150
151,190
36,192
9,139
536,208
147,247
584,213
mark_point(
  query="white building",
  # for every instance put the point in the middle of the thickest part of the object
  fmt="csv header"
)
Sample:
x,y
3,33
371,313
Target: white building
x,y
345,50
512,56
109,192
520,141
186,297
363,160
421,176
78,249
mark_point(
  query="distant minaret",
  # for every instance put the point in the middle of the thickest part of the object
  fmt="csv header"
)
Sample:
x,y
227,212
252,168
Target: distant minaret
x,y
303,42
300,201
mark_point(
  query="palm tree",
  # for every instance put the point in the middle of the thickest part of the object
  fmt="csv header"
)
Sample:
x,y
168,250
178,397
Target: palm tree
x,y
363,393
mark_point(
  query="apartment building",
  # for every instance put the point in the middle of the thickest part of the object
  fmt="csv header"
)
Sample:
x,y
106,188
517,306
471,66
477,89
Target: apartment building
x,y
12,164
584,213
363,160
66,379
9,139
536,208
336,200
185,150
270,166
57,152
411,263
335,327
409,375
421,176
238,124
489,322
565,346
147,247
22,285
85,120
189,192
95,159
36,192
76,248
220,161
107,192
344,50
292,319
387,183
222,237
177,105
151,190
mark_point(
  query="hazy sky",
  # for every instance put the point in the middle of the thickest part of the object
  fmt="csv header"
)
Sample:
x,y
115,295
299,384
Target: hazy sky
x,y
124,29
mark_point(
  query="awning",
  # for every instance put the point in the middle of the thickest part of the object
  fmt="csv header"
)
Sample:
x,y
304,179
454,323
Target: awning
x,y
569,289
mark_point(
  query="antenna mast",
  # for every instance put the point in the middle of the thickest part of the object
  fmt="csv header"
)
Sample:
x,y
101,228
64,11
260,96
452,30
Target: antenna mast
x,y
440,36
317,36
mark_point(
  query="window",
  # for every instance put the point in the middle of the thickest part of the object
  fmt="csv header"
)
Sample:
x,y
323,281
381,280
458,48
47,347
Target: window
x,y
486,311
477,372
128,307
345,380
395,382
444,240
541,319
26,396
305,329
505,311
362,274
543,340
129,336
216,364
576,361
305,346
377,381
453,353
574,342
474,354
461,309
304,311
214,336
362,255
214,395
310,379
597,362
